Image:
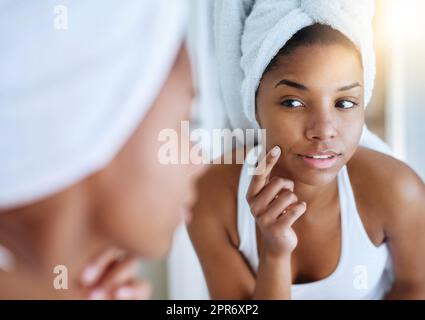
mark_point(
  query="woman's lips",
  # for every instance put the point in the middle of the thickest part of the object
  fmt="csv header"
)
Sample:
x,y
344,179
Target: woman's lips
x,y
322,163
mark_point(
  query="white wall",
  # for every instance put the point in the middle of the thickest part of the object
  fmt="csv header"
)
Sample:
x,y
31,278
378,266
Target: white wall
x,y
405,105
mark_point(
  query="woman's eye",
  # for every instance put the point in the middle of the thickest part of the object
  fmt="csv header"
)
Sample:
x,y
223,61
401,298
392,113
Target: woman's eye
x,y
291,103
346,104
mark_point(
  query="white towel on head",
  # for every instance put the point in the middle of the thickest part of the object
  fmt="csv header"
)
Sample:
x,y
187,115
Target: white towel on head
x,y
70,98
249,33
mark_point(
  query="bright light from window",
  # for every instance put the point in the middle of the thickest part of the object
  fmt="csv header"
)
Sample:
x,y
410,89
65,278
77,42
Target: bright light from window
x,y
405,18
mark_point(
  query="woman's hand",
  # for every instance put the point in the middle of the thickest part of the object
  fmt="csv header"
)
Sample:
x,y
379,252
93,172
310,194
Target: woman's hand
x,y
113,275
275,208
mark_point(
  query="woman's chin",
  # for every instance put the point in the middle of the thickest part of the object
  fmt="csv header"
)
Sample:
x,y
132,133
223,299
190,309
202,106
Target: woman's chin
x,y
316,178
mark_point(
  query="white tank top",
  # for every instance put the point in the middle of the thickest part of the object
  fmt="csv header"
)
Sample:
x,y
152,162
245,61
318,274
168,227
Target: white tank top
x,y
364,271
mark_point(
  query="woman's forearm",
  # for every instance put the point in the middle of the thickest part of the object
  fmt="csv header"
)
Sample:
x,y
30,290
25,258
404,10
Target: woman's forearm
x,y
274,278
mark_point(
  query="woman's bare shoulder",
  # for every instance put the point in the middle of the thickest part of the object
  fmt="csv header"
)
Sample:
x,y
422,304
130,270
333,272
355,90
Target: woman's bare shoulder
x,y
383,184
382,174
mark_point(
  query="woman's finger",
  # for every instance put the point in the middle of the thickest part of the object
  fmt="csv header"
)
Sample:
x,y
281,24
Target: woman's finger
x,y
135,290
291,215
119,273
272,190
263,169
282,202
94,271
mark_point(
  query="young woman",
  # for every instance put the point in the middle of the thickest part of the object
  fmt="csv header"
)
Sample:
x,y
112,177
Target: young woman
x,y
328,219
116,205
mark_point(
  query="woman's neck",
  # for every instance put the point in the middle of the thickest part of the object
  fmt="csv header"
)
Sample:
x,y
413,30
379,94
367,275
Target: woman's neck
x,y
53,232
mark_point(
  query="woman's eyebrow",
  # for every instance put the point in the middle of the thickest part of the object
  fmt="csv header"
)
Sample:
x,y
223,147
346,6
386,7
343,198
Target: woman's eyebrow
x,y
300,86
349,87
292,84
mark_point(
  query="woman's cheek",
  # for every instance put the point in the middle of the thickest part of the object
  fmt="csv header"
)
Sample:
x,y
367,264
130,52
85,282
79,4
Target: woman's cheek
x,y
351,138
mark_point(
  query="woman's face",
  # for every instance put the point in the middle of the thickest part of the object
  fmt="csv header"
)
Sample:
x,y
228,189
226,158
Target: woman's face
x,y
140,201
311,104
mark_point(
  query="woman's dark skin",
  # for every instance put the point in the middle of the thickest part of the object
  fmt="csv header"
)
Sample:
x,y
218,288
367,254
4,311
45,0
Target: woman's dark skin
x,y
319,106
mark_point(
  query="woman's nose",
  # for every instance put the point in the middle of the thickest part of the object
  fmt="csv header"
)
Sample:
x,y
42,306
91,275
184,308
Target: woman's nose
x,y
321,126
